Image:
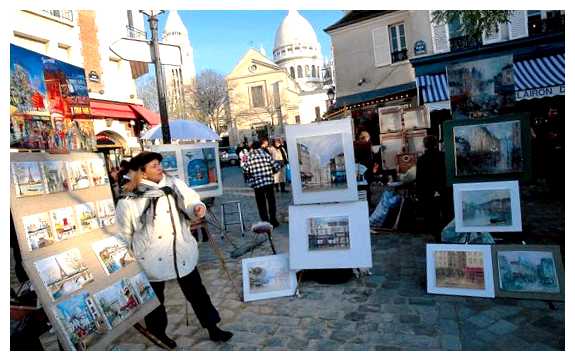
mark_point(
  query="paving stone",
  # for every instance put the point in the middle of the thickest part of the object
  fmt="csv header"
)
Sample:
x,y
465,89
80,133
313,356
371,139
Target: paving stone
x,y
480,320
450,343
409,318
502,327
449,327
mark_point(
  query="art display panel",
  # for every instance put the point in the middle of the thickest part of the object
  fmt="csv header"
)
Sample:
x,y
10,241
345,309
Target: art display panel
x,y
113,254
529,271
487,207
322,162
456,269
267,277
334,235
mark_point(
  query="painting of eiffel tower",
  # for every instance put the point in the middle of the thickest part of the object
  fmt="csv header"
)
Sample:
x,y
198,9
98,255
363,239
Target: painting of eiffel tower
x,y
28,179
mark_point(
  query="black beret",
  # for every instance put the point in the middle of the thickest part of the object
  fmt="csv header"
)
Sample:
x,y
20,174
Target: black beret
x,y
140,160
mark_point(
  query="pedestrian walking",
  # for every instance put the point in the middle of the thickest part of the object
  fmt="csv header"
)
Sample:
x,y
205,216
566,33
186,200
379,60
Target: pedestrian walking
x,y
260,169
154,218
279,154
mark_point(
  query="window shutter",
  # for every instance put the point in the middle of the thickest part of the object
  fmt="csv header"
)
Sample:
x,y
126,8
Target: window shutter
x,y
493,36
440,35
518,25
381,49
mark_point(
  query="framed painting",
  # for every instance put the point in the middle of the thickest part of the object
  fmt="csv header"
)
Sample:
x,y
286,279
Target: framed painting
x,y
391,146
329,236
528,271
414,141
87,219
38,228
64,223
142,288
117,302
481,88
487,207
497,148
113,254
322,162
389,119
99,172
460,270
78,174
169,163
28,179
55,176
416,118
267,277
106,212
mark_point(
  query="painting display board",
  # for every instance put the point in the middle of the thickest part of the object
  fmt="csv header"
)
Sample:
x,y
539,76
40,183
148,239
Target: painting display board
x,y
198,165
334,235
70,250
528,271
487,207
490,149
267,277
322,162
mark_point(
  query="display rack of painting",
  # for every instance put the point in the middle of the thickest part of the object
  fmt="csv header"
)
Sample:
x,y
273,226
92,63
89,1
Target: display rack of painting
x,y
88,282
197,164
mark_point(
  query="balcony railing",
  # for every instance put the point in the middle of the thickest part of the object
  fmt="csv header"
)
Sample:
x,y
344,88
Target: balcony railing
x,y
398,55
62,14
463,43
134,33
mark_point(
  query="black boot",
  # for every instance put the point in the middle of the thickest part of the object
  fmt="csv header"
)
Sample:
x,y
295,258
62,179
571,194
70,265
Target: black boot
x,y
283,188
217,334
171,344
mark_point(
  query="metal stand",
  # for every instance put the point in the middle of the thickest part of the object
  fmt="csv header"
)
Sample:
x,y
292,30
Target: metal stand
x,y
225,223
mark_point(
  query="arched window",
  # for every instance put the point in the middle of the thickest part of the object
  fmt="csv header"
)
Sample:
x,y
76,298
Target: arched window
x,y
307,73
292,72
313,72
299,71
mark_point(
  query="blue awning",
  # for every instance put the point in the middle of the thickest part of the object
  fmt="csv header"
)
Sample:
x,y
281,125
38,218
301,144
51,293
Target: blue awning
x,y
529,75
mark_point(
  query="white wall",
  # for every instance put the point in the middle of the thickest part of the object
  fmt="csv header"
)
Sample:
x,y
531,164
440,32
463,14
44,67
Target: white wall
x,y
307,106
117,127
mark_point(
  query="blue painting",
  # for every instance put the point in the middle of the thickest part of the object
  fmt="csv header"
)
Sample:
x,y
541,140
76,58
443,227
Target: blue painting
x,y
527,271
200,166
169,163
78,319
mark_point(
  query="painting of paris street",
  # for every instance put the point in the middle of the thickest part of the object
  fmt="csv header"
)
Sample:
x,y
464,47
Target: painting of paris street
x,y
64,223
79,320
87,217
28,179
113,254
489,207
106,212
322,163
488,148
78,174
64,273
117,302
55,173
268,275
38,230
328,233
142,287
459,269
98,171
527,271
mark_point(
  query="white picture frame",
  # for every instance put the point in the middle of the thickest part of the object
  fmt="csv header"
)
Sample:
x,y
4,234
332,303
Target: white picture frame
x,y
317,236
437,281
335,134
283,281
469,217
212,189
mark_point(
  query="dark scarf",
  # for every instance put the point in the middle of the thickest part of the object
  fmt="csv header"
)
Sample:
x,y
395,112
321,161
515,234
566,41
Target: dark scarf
x,y
152,194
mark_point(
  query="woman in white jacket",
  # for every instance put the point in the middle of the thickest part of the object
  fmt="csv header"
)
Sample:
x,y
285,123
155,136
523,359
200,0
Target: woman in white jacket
x,y
154,218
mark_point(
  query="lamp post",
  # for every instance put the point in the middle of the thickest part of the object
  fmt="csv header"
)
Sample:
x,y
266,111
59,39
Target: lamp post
x,y
160,80
330,97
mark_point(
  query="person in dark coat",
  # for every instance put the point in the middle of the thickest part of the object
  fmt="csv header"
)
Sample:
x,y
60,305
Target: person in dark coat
x,y
431,185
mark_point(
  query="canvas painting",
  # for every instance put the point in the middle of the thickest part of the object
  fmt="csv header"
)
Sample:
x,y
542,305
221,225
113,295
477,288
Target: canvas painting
x,y
415,141
63,273
416,118
487,207
28,179
169,163
55,174
142,288
329,236
481,88
200,167
391,146
389,119
106,212
99,172
78,174
117,302
64,223
113,254
38,230
87,217
490,148
328,233
460,270
80,320
322,163
267,277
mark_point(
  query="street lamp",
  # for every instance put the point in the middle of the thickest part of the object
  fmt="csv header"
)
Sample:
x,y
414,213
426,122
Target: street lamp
x,y
331,97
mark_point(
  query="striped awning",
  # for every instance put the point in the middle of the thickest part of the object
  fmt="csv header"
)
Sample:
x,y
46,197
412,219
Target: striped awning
x,y
538,77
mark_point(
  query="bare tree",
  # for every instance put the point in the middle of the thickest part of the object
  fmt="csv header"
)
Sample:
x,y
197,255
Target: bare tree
x,y
148,92
209,97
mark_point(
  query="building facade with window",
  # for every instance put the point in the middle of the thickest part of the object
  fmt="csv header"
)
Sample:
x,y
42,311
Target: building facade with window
x,y
263,98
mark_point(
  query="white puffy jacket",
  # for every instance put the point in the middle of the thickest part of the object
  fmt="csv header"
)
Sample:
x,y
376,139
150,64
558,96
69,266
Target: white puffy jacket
x,y
153,245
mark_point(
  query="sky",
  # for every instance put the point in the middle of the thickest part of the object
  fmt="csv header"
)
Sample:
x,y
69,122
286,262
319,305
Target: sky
x,y
221,37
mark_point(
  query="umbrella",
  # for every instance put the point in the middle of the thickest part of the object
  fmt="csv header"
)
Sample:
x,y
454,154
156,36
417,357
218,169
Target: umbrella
x,y
183,129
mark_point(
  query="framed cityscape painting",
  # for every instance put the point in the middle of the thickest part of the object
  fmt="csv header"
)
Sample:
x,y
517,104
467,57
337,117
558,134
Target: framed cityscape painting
x,y
487,207
169,163
113,254
267,277
55,176
99,172
389,119
322,162
329,236
460,269
38,230
64,223
117,302
28,179
87,217
142,288
391,145
106,212
497,148
78,174
528,271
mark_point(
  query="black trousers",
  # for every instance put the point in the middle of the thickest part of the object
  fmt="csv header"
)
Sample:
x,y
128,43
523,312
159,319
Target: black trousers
x,y
266,201
195,293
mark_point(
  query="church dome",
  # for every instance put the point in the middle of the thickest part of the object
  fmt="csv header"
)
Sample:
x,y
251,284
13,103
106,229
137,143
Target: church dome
x,y
294,30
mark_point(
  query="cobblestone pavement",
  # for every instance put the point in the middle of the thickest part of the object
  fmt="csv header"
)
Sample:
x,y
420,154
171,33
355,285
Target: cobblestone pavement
x,y
387,310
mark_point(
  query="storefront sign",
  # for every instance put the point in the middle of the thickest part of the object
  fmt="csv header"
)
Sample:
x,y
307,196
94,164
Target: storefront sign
x,y
540,92
420,47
